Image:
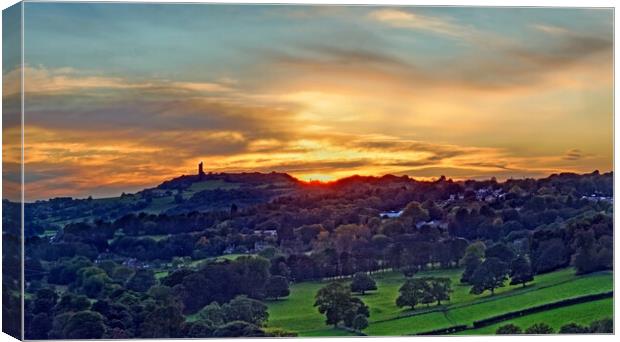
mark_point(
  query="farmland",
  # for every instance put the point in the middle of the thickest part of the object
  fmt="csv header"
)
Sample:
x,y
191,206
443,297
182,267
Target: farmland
x,y
297,313
183,264
582,314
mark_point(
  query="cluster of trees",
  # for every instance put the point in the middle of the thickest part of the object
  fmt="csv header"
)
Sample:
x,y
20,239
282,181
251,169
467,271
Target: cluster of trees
x,y
489,268
313,231
604,326
339,306
362,282
108,300
156,313
424,290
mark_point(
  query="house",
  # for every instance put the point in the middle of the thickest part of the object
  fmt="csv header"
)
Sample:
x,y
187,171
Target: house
x,y
266,233
391,214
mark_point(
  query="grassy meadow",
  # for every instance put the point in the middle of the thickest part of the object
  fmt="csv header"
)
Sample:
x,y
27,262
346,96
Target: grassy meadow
x,y
296,313
582,314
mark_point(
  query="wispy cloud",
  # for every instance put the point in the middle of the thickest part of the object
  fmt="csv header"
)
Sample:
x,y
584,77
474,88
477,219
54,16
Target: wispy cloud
x,y
575,154
40,80
366,90
408,19
550,29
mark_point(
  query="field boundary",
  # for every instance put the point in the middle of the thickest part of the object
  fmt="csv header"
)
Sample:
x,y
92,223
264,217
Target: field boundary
x,y
515,292
544,307
519,313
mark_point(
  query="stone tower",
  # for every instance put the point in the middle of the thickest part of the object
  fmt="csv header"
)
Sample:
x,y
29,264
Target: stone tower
x,y
201,172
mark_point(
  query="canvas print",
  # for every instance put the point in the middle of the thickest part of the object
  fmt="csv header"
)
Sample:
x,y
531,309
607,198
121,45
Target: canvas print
x,y
221,170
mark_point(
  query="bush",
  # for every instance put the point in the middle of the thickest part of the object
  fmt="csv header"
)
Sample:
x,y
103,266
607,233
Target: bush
x,y
603,326
360,322
508,329
574,328
539,329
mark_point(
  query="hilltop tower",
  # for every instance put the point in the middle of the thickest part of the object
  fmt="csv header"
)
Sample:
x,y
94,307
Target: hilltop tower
x,y
201,172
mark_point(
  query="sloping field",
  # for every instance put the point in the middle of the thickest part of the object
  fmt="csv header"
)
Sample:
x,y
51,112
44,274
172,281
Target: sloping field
x,y
582,314
297,313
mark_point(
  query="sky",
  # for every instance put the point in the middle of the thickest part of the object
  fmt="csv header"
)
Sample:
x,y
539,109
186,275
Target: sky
x,y
119,97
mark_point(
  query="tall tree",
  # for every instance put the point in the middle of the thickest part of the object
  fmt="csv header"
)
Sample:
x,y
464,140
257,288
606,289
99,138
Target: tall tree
x,y
411,293
440,289
277,286
142,280
162,322
242,308
336,303
362,282
491,274
84,325
471,262
472,259
501,251
521,271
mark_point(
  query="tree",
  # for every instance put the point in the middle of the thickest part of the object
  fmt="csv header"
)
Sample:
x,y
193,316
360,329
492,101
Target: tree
x,y
142,280
238,329
440,289
253,273
212,313
472,259
84,325
491,274
362,282
40,325
602,326
501,251
335,301
45,300
162,322
360,322
434,211
508,329
277,286
71,302
550,255
411,293
414,213
471,263
585,258
242,308
199,329
574,328
539,329
521,271
356,308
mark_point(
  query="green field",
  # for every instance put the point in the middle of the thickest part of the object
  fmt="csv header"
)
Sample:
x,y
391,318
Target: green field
x,y
583,314
297,313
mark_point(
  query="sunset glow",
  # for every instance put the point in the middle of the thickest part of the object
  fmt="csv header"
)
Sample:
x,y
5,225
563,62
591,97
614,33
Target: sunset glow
x,y
318,92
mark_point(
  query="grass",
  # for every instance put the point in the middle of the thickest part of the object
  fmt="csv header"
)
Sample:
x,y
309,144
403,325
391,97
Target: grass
x,y
296,313
582,314
326,332
212,185
159,204
161,274
155,237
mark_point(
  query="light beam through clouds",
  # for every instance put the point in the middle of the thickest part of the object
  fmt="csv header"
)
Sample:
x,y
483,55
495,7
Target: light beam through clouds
x,y
141,93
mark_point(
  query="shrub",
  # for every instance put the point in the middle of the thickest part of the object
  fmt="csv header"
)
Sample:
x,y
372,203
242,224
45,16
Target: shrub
x,y
574,328
508,329
539,329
